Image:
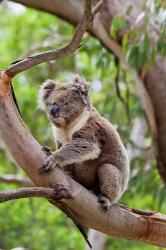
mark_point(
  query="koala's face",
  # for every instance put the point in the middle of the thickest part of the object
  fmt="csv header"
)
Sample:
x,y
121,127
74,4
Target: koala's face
x,y
63,103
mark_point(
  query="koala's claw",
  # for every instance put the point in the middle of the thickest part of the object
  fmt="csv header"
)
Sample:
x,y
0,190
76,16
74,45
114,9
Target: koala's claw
x,y
48,164
104,202
46,150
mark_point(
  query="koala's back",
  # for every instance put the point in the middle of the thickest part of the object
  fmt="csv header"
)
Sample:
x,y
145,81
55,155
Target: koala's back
x,y
99,131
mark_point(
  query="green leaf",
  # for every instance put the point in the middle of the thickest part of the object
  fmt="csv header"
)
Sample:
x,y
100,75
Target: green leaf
x,y
129,9
161,43
118,24
132,55
144,51
125,43
153,55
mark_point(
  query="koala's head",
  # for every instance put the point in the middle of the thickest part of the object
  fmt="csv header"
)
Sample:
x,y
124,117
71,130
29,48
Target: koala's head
x,y
63,103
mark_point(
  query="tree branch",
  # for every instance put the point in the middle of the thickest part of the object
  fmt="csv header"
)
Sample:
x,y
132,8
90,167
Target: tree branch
x,y
119,221
82,27
26,193
14,179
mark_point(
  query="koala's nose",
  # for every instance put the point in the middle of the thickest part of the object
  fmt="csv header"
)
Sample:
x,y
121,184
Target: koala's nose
x,y
54,110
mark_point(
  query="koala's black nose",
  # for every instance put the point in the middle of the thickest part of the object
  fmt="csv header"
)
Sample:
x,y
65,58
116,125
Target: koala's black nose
x,y
54,110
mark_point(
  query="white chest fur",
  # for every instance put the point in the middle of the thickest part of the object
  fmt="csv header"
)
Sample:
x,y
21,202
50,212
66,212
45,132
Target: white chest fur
x,y
65,135
60,135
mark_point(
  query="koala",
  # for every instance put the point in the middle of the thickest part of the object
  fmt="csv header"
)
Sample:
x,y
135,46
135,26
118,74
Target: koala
x,y
88,146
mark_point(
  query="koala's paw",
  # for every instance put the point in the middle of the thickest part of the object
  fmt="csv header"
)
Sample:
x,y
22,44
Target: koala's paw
x,y
46,150
48,164
104,202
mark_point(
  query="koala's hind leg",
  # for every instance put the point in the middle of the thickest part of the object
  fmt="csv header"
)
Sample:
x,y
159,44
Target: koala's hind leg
x,y
110,183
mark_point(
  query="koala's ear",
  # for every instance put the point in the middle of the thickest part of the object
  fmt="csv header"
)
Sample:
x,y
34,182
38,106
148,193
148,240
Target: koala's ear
x,y
81,84
44,92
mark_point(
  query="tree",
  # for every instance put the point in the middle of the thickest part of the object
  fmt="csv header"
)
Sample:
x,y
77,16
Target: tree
x,y
150,75
101,32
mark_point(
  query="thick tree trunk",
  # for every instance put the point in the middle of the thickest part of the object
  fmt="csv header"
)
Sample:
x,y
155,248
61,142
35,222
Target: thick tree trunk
x,y
155,82
155,78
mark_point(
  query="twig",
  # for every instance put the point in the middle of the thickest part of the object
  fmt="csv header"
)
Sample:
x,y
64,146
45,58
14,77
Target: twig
x,y
48,193
27,192
14,179
81,28
98,7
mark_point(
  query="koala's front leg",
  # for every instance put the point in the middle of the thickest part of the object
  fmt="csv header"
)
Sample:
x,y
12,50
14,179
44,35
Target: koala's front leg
x,y
49,163
76,151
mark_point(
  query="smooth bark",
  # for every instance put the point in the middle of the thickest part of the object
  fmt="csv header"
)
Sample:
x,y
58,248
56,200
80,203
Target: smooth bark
x,y
14,179
26,193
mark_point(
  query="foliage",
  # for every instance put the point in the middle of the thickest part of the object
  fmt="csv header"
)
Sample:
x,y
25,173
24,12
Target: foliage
x,y
137,41
34,223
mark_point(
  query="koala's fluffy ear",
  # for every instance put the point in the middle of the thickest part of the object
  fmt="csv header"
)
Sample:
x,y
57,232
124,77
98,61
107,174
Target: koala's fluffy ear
x,y
81,84
44,92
